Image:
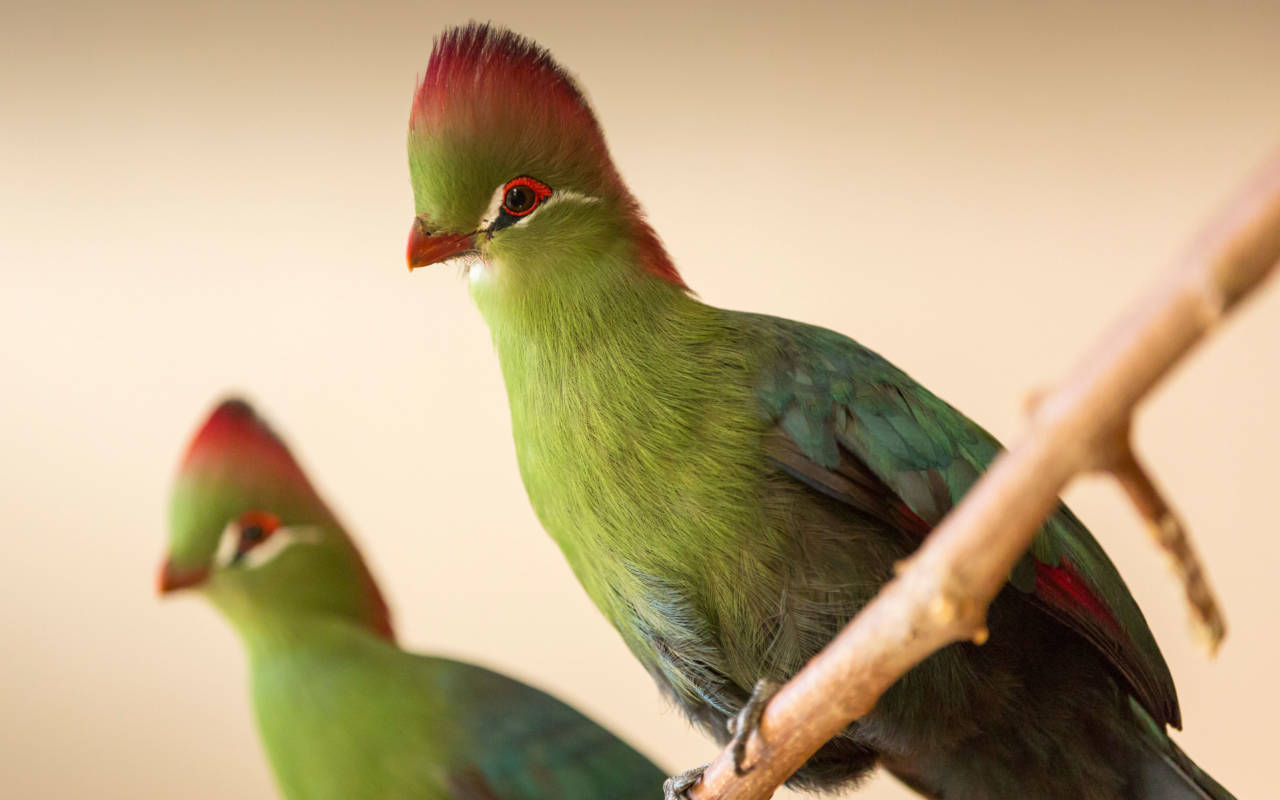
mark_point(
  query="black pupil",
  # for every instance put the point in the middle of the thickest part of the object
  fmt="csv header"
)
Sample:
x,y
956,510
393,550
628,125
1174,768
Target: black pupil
x,y
519,199
252,533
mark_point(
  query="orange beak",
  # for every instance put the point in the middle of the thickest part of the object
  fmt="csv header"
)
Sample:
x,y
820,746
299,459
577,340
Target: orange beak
x,y
172,578
426,249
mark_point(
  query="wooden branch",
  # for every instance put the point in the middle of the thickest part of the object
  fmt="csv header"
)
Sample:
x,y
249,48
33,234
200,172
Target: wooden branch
x,y
942,593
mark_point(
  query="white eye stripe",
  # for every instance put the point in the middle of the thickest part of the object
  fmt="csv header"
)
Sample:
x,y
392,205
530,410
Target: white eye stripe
x,y
277,543
570,196
557,196
282,539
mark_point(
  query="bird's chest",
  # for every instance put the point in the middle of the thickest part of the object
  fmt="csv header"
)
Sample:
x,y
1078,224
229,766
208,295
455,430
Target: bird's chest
x,y
659,502
598,470
636,473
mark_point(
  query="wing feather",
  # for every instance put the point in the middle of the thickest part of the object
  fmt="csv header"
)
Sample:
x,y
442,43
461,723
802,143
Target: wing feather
x,y
854,427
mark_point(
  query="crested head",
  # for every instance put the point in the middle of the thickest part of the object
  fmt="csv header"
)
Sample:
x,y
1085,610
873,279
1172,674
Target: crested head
x,y
495,112
239,503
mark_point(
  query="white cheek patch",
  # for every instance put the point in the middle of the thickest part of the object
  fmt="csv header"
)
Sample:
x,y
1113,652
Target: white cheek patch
x,y
491,213
472,264
227,544
464,262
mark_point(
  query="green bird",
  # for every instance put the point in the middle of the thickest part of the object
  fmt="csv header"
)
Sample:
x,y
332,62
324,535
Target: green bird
x,y
731,488
343,712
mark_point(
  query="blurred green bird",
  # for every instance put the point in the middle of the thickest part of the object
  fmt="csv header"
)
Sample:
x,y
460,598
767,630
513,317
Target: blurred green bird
x,y
343,712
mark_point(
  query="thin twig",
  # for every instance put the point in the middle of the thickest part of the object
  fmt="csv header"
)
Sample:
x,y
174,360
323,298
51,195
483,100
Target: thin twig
x,y
1169,533
942,594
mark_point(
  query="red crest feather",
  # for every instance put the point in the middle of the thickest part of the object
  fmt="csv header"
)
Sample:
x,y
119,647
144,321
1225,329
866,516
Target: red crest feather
x,y
234,431
477,64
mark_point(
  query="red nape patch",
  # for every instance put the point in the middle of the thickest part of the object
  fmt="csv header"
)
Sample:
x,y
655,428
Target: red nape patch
x,y
653,256
379,615
1062,586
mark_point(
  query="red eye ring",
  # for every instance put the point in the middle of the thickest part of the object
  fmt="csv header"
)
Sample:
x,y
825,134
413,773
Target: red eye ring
x,y
262,523
522,195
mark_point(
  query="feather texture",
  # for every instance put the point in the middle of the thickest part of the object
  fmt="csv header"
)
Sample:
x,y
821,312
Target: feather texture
x,y
854,420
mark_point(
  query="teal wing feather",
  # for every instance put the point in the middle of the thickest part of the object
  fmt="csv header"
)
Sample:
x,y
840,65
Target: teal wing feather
x,y
850,424
530,745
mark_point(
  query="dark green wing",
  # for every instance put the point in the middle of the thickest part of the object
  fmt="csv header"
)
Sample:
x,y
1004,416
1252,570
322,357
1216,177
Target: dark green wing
x,y
519,743
855,427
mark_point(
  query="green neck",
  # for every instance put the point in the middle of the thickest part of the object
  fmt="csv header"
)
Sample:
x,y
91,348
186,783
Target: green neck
x,y
307,587
616,385
268,631
640,312
602,354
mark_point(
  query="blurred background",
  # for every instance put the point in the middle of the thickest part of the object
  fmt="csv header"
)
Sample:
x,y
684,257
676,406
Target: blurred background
x,y
201,198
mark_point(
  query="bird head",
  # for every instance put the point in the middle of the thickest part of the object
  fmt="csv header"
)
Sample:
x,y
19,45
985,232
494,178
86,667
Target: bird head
x,y
247,528
512,178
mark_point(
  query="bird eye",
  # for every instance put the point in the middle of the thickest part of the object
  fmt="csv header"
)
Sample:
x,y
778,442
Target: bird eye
x,y
255,527
519,199
522,195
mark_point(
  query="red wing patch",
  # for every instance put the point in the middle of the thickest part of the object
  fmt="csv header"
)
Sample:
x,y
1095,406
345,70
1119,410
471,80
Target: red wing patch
x,y
1062,586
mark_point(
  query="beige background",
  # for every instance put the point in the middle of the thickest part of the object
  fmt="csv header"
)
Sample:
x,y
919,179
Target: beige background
x,y
199,199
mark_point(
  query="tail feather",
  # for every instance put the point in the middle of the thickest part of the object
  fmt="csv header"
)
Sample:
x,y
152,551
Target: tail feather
x,y
1167,773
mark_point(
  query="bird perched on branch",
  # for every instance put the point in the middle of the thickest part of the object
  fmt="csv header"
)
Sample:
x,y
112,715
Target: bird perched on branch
x,y
344,713
731,488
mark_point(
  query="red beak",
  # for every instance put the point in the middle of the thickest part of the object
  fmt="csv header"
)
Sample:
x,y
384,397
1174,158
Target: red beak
x,y
172,578
426,249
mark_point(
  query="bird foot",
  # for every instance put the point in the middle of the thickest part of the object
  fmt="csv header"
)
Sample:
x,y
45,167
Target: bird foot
x,y
677,786
747,721
740,726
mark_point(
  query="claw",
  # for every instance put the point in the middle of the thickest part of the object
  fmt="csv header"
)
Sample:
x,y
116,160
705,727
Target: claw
x,y
677,786
747,721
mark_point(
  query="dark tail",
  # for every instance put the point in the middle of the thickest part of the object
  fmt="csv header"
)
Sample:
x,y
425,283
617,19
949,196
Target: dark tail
x,y
1167,773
